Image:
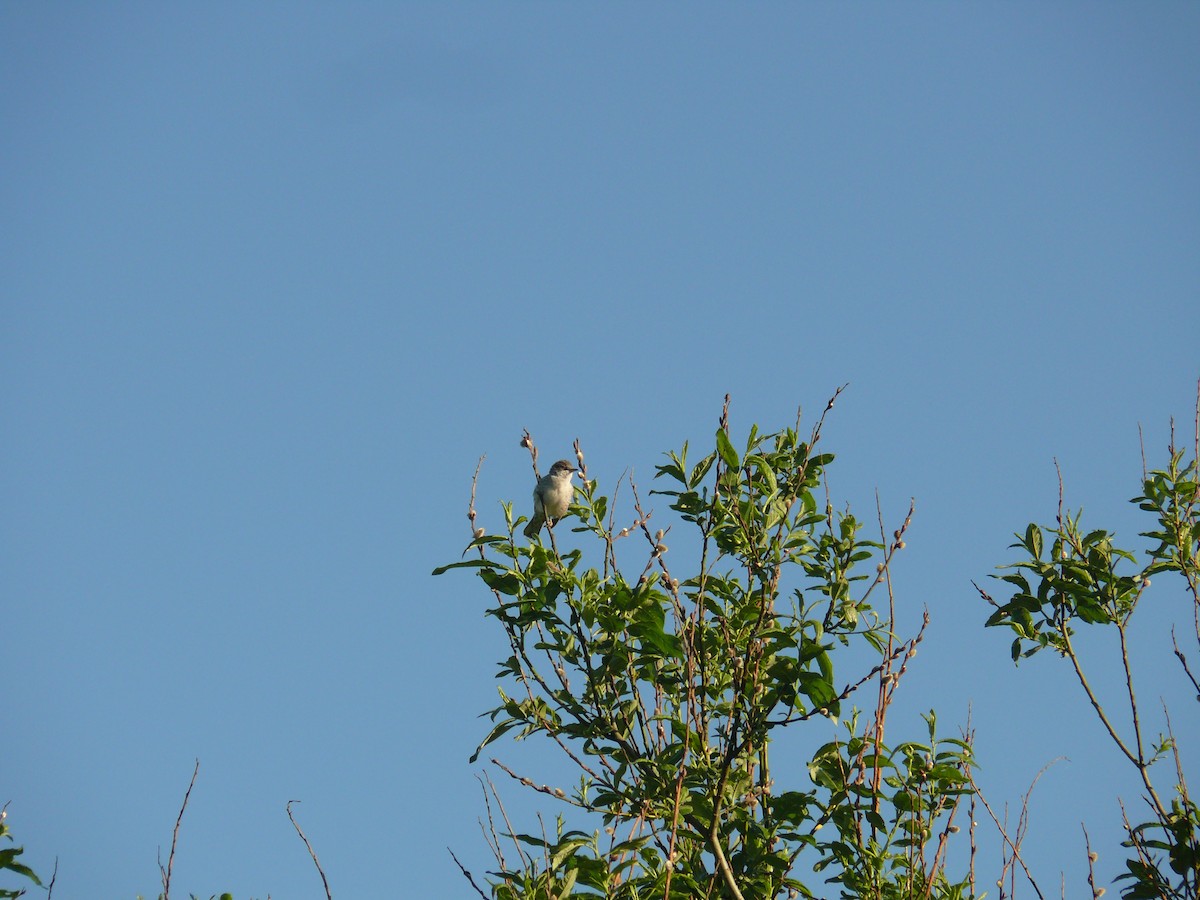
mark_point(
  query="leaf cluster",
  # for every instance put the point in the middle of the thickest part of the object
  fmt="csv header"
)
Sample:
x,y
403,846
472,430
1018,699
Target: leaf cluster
x,y
1071,578
10,861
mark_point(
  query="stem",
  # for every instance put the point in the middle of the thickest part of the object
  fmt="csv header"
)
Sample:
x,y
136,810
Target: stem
x,y
166,873
1143,767
714,836
317,862
1087,689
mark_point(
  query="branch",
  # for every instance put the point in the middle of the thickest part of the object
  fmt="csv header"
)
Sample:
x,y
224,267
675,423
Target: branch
x,y
311,852
714,835
556,793
1143,768
468,874
1091,857
1087,689
1015,847
166,873
53,878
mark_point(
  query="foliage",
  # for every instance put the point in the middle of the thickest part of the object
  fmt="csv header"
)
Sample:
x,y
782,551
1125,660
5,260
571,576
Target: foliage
x,y
667,690
8,860
1072,578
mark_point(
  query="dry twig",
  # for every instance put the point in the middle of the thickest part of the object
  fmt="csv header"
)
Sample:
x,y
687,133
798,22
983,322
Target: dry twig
x,y
166,873
311,852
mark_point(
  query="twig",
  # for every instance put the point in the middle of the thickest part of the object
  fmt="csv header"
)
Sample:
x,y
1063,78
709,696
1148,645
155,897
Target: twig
x,y
53,878
528,444
1180,781
1091,857
714,830
1015,847
1183,661
1137,726
512,832
556,793
468,874
311,852
166,873
974,848
1092,698
493,839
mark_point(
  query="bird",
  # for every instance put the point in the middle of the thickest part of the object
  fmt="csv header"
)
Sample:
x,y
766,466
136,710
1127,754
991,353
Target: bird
x,y
552,496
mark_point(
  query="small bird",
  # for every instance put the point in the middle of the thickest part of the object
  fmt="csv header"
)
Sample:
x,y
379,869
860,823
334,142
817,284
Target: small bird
x,y
552,496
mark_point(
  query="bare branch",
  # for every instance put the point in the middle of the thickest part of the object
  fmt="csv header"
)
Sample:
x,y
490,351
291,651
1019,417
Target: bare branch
x,y
311,852
1013,845
466,873
166,873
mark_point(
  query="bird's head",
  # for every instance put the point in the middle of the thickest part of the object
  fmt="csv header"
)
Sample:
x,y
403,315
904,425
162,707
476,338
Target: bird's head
x,y
562,469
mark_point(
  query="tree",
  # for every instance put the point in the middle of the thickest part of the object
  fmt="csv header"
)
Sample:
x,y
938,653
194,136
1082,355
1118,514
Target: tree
x,y
667,683
1073,578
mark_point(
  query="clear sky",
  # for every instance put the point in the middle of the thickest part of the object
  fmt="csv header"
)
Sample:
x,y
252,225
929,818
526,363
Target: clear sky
x,y
274,276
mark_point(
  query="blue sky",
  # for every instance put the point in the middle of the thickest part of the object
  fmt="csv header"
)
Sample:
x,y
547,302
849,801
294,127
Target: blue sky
x,y
274,276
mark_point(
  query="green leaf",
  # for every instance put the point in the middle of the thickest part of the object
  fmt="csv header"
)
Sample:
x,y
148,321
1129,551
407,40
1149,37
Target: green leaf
x,y
817,689
468,564
728,454
1033,540
505,583
701,469
568,884
496,732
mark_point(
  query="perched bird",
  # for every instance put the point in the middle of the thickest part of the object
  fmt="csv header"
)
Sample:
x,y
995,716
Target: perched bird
x,y
551,497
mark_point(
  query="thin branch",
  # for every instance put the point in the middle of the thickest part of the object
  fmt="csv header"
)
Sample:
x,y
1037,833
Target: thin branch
x,y
166,873
1180,780
714,831
492,838
527,443
311,852
1145,470
512,832
1087,689
556,793
1014,846
471,514
974,847
53,878
1091,861
1196,444
466,873
1143,766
